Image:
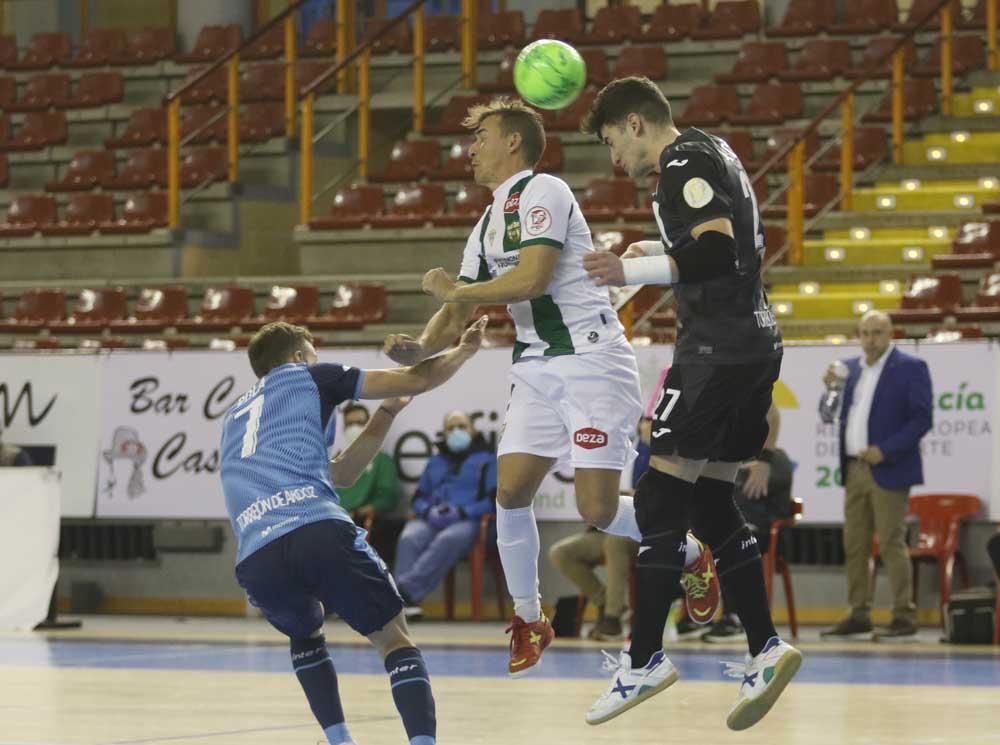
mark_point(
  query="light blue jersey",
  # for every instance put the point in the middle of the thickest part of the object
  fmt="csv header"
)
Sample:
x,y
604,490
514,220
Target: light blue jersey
x,y
275,444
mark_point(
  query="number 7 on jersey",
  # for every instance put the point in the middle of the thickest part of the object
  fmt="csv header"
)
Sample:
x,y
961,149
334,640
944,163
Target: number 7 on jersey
x,y
255,408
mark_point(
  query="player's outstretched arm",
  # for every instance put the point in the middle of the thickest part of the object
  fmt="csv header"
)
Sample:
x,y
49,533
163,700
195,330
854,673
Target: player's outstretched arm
x,y
442,328
526,281
426,375
352,461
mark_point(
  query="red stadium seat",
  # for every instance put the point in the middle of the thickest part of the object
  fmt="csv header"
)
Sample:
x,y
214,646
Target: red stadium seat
x,y
83,216
673,22
44,50
976,245
871,145
565,24
926,299
307,72
260,122
354,305
774,240
210,88
499,30
975,18
262,83
741,143
352,208
269,46
504,81
27,214
8,92
96,89
552,156
4,171
412,206
804,18
213,42
456,165
165,343
295,304
470,203
877,49
93,310
614,25
919,100
986,306
203,124
321,40
35,309
771,103
778,139
8,51
222,308
450,120
87,169
100,47
607,199
710,105
648,60
821,189
204,165
147,46
142,213
42,92
597,66
731,19
866,17
4,132
156,309
144,127
757,61
920,9
820,59
968,54
144,169
410,160
442,33
397,39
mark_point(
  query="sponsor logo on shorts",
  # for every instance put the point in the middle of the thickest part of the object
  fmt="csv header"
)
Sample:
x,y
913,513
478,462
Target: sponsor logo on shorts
x,y
593,336
513,203
590,438
539,220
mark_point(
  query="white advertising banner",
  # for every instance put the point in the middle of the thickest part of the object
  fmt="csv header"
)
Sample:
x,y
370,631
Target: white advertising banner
x,y
51,405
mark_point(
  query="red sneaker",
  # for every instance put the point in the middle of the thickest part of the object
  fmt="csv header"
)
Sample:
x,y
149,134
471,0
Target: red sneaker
x,y
527,642
701,587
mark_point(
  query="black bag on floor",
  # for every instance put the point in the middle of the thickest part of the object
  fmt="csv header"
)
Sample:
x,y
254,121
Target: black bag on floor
x,y
970,616
565,621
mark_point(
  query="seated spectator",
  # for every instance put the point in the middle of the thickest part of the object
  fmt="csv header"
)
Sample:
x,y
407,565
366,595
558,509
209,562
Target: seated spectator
x,y
11,455
458,486
374,497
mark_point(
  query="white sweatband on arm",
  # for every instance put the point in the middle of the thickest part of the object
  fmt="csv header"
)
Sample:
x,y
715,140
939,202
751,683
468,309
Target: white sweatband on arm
x,y
648,270
652,248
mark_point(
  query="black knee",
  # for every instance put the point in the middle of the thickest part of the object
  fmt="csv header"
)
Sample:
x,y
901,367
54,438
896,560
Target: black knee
x,y
717,521
662,510
308,650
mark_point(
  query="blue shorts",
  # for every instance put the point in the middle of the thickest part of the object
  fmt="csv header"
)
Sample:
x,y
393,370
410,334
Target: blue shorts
x,y
323,567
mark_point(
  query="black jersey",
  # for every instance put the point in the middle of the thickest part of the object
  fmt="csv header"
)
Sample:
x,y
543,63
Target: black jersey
x,y
726,320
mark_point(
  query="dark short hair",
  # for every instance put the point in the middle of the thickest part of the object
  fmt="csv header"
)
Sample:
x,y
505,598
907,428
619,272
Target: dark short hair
x,y
515,116
274,346
619,98
355,406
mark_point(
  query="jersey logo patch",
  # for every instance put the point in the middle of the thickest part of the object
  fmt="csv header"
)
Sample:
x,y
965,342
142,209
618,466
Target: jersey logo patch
x,y
677,163
539,220
513,203
590,438
698,193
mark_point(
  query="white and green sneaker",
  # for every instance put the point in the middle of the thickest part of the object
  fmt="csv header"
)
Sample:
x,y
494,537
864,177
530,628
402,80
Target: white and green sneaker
x,y
630,687
764,678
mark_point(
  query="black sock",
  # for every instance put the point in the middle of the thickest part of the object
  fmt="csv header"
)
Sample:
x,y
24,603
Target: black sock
x,y
737,559
661,503
316,674
411,691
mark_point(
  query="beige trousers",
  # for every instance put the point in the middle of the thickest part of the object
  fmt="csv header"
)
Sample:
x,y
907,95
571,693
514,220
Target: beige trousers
x,y
576,557
870,510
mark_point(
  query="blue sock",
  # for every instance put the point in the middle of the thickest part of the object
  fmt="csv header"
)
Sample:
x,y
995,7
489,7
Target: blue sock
x,y
316,674
411,691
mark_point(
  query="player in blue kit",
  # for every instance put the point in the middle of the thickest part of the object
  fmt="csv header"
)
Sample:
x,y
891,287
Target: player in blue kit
x,y
300,555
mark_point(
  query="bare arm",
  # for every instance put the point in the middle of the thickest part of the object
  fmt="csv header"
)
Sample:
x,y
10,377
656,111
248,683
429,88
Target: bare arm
x,y
350,462
526,281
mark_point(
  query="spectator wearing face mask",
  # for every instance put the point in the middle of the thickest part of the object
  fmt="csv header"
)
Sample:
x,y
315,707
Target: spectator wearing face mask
x,y
458,486
374,499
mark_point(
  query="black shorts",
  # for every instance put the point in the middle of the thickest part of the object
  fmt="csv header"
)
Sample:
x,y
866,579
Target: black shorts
x,y
323,567
714,412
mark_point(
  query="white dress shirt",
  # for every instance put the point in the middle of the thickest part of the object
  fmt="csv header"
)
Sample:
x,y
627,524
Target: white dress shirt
x,y
856,434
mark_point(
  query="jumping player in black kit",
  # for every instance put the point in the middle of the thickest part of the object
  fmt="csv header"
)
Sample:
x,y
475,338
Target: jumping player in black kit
x,y
712,411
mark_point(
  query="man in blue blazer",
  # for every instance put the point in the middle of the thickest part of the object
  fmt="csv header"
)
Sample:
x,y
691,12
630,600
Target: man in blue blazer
x,y
885,406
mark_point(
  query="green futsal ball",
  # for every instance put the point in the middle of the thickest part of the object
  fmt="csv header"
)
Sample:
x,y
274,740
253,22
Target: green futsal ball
x,y
549,74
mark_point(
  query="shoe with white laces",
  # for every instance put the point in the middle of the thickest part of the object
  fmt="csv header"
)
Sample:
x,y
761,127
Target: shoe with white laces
x,y
764,678
630,687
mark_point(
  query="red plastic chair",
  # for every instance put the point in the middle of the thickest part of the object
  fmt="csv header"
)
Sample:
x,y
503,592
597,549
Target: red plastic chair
x,y
35,309
565,24
87,169
398,39
96,89
649,60
821,59
354,305
412,206
926,299
450,120
756,62
44,50
774,564
731,19
607,199
920,9
710,105
213,42
673,22
204,165
614,25
867,17
156,309
148,46
295,304
352,207
142,213
499,30
83,215
871,145
410,160
986,306
27,214
597,66
322,39
93,310
100,47
222,308
478,557
470,203
877,49
42,92
39,130
456,165
144,127
804,18
144,169
771,103
269,46
443,33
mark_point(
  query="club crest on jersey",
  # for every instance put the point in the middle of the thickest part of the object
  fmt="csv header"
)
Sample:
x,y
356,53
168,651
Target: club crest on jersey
x,y
514,232
512,204
590,438
539,220
698,192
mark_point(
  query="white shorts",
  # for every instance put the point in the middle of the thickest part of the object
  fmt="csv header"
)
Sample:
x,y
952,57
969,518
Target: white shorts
x,y
584,406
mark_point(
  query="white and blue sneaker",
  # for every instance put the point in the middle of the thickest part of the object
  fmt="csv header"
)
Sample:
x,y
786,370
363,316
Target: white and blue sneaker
x,y
764,678
631,687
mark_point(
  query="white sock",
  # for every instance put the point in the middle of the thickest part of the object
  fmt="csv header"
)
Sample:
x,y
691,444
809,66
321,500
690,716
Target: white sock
x,y
517,542
693,551
623,523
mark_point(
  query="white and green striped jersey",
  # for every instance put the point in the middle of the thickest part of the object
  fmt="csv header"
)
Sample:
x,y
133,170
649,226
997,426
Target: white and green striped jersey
x,y
574,316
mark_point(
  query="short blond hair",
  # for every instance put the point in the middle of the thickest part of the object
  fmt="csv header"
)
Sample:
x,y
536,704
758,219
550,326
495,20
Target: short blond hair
x,y
515,116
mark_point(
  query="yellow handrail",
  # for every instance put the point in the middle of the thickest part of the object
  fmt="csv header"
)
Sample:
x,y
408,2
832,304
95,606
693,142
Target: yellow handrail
x,y
306,168
946,59
469,43
174,163
847,153
291,56
233,118
897,106
796,200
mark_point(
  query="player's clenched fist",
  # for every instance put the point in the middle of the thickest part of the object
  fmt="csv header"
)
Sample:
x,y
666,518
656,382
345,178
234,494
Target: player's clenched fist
x,y
634,251
403,349
438,282
604,268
